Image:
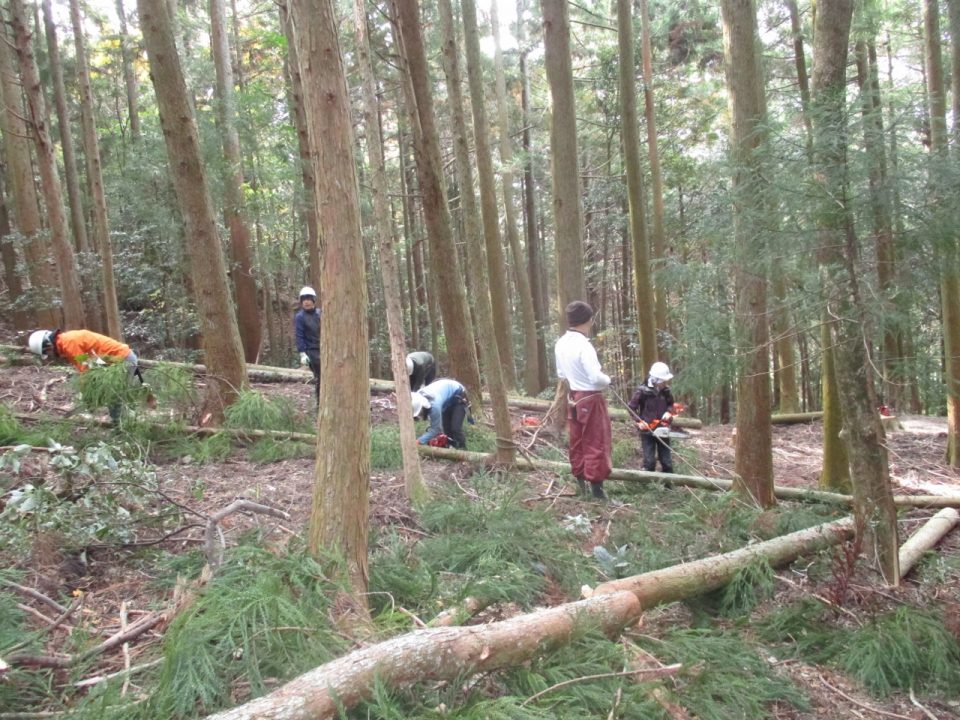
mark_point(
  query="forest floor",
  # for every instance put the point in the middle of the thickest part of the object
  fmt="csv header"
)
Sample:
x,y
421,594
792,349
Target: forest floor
x,y
916,464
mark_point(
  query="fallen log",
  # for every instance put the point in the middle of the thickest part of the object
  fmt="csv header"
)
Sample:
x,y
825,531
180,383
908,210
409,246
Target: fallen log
x,y
926,537
440,654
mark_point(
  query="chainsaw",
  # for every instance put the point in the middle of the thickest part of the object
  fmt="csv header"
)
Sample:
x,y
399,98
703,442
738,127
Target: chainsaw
x,y
660,426
439,441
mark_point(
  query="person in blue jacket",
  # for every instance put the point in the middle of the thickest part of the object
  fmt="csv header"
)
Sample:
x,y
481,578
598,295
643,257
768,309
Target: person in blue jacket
x,y
306,331
444,402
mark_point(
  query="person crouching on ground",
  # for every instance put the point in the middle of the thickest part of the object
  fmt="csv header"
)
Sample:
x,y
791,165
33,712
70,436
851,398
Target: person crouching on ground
x,y
588,420
652,405
421,368
444,402
85,349
306,331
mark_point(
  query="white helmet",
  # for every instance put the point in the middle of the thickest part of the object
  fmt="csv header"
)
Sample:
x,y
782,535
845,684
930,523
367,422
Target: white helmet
x,y
660,372
409,366
307,291
38,340
420,403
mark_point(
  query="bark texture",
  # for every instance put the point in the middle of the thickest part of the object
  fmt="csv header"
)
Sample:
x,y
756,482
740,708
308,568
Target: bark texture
x,y
211,292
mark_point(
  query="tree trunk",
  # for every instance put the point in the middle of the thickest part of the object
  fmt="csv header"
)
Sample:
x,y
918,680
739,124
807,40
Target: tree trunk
x,y
659,242
476,252
211,292
455,652
12,274
444,258
567,211
839,252
754,454
129,77
241,270
413,478
40,268
629,130
36,115
496,266
531,373
295,102
534,255
91,149
338,518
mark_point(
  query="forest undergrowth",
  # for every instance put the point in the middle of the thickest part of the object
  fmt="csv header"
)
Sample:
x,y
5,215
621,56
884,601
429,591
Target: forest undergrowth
x,y
106,527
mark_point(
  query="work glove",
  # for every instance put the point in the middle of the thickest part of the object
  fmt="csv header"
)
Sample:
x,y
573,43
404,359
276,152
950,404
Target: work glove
x,y
642,425
667,417
304,359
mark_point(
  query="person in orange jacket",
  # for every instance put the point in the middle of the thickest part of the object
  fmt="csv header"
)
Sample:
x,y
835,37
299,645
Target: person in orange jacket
x,y
85,349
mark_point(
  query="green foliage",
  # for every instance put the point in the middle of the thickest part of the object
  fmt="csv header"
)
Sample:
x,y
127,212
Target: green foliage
x,y
255,411
262,616
747,588
613,565
97,495
903,650
733,681
480,439
200,449
385,451
806,629
492,548
173,388
268,450
110,386
10,428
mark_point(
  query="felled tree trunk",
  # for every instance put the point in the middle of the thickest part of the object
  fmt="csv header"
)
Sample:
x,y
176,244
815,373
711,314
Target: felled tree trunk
x,y
454,652
926,537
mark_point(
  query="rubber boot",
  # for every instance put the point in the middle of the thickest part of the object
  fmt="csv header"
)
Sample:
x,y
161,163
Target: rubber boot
x,y
598,493
583,486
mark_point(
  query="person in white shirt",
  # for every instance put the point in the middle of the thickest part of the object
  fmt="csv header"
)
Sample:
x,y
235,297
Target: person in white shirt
x,y
588,420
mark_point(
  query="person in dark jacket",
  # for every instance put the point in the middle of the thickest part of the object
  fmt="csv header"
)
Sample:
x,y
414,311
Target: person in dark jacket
x,y
652,405
306,331
421,368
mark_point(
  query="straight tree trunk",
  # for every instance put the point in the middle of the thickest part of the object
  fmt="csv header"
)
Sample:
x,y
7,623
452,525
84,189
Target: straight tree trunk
x,y
211,291
476,252
496,265
835,473
567,210
73,311
531,373
129,77
869,470
309,208
444,258
630,133
338,518
413,478
10,257
659,242
91,149
541,311
241,270
950,256
754,453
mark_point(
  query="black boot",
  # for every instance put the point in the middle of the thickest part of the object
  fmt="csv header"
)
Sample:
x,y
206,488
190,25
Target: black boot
x,y
598,493
583,486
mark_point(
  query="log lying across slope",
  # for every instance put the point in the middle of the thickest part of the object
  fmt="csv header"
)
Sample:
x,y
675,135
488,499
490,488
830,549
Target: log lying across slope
x,y
448,653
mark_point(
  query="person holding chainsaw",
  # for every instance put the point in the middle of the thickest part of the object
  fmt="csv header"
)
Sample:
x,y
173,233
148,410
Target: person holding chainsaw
x,y
306,331
588,420
444,402
653,407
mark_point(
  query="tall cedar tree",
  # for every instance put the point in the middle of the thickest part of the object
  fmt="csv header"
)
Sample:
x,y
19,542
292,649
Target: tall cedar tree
x,y
839,256
338,518
241,270
444,261
226,371
754,456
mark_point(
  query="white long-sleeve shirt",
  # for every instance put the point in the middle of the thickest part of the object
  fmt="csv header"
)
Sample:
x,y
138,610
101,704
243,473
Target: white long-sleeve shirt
x,y
577,362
